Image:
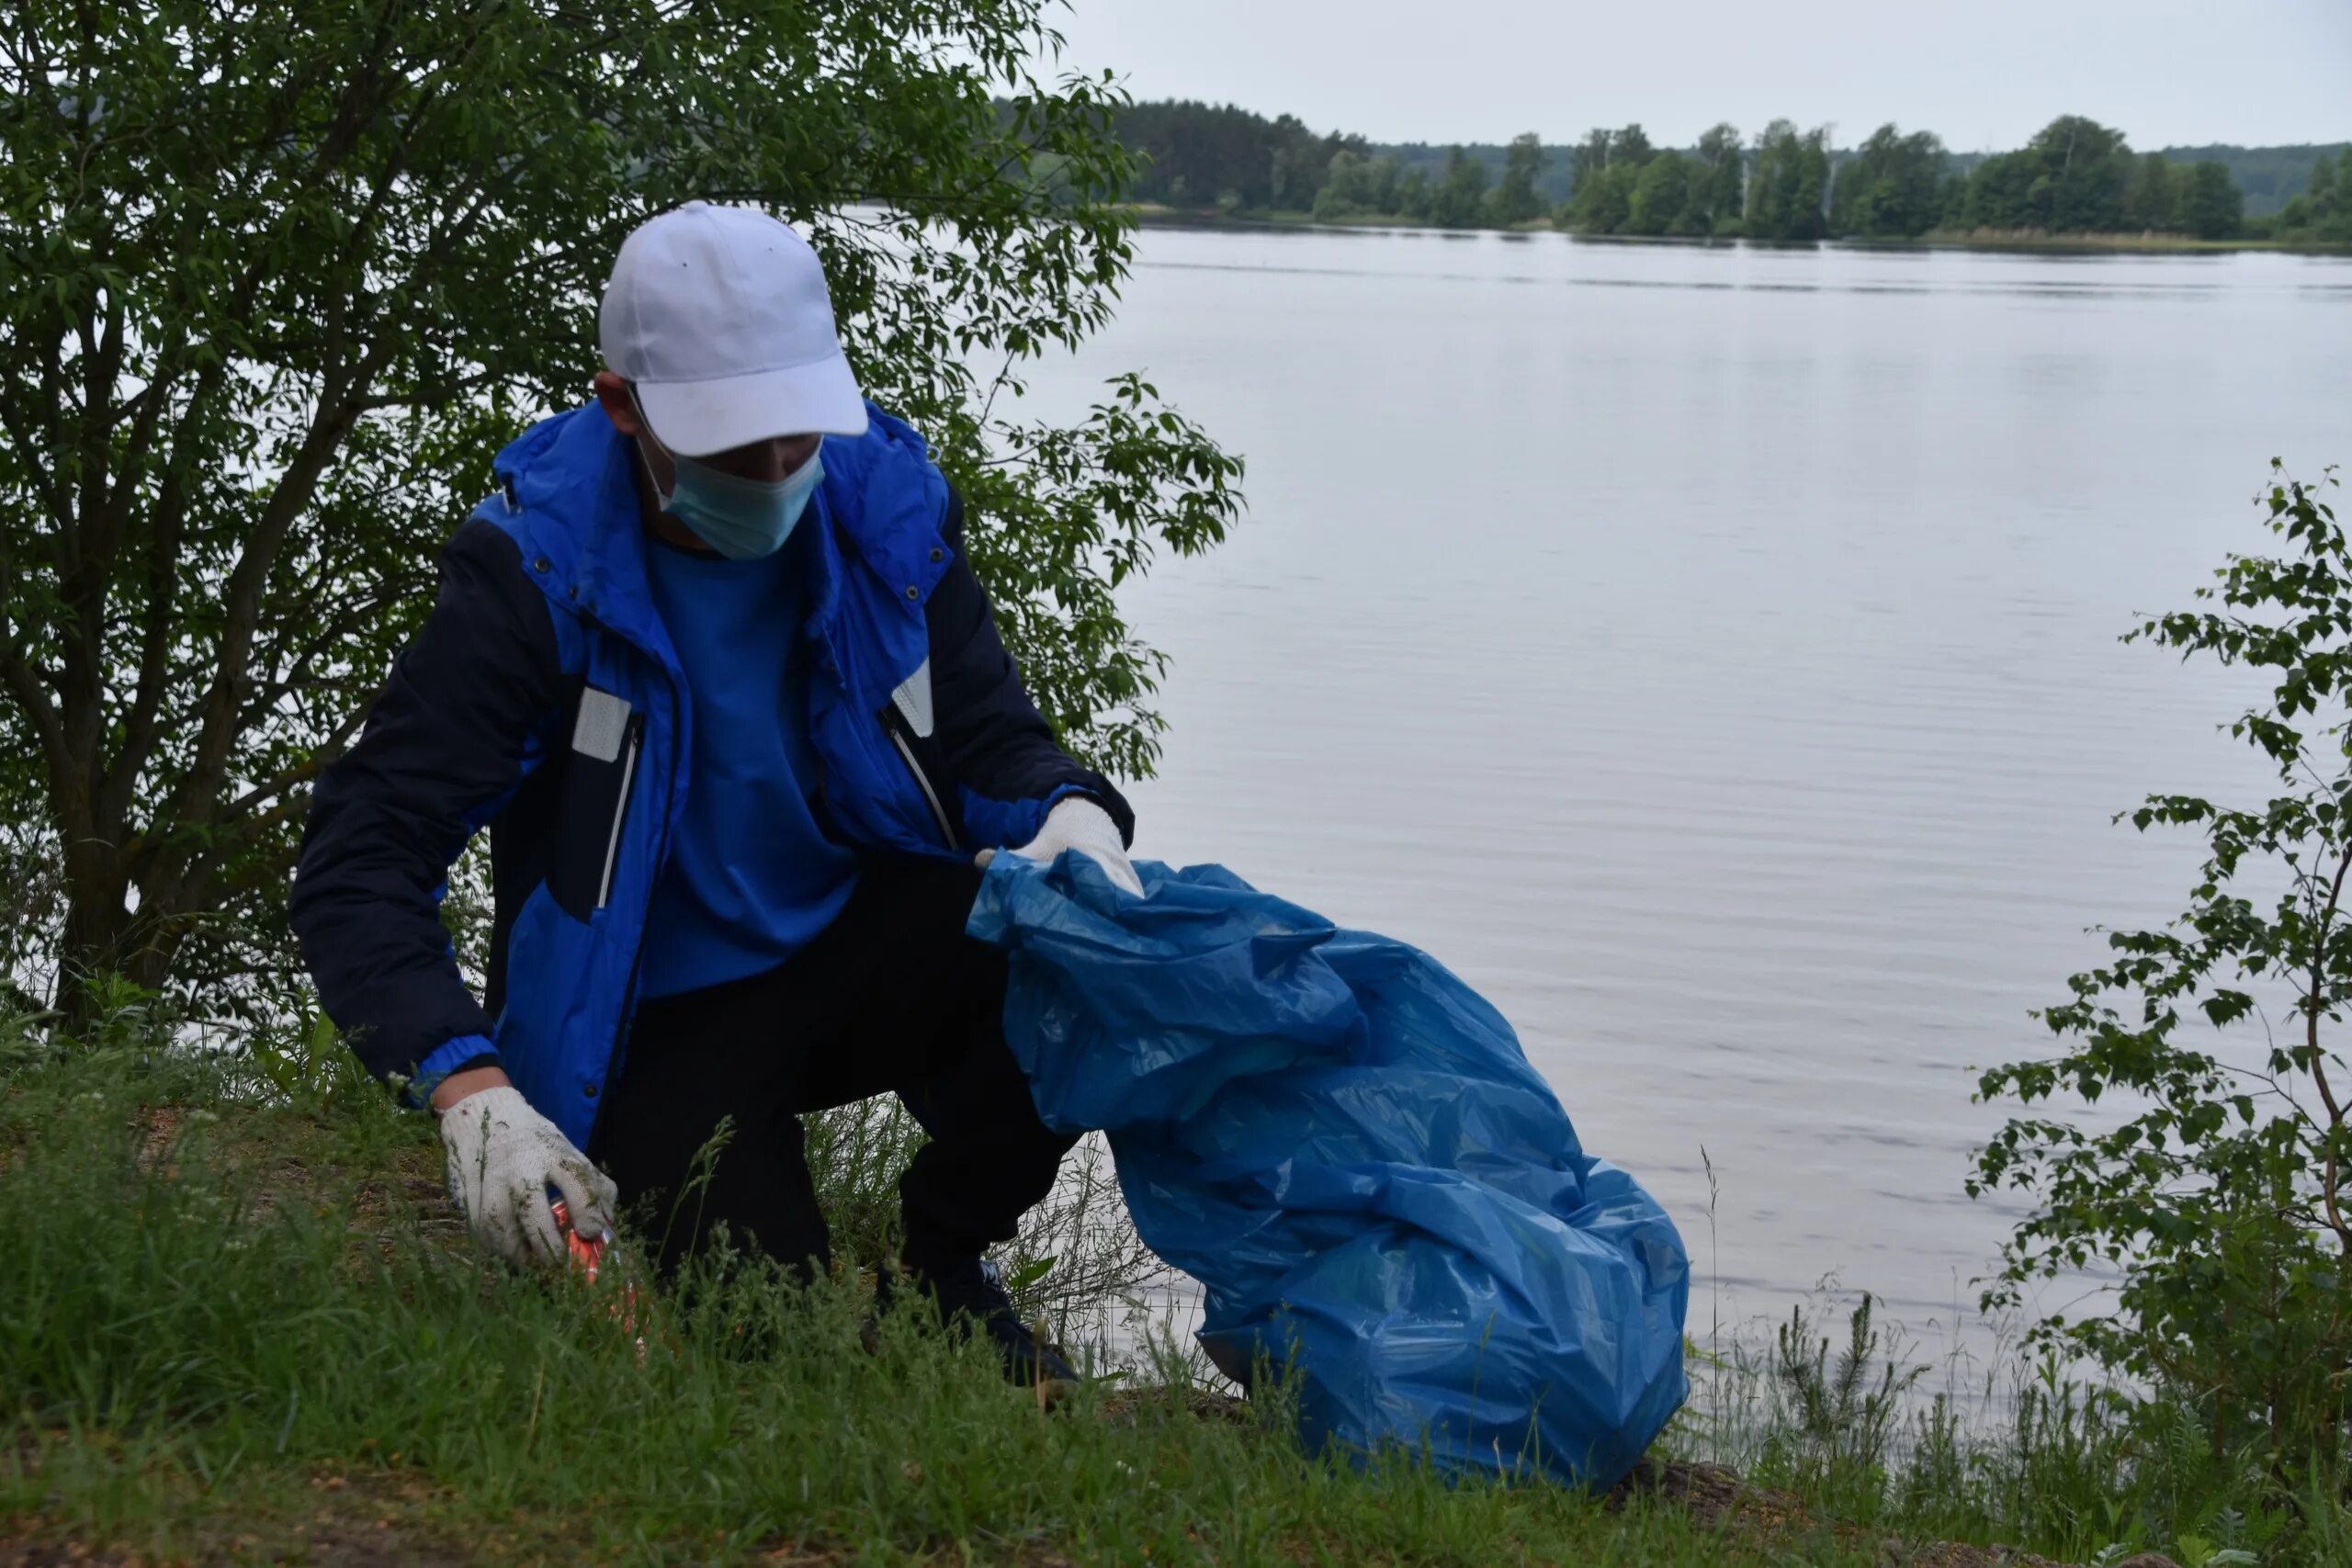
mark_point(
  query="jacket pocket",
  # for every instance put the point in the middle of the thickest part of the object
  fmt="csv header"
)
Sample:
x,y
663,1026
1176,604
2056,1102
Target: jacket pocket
x,y
592,802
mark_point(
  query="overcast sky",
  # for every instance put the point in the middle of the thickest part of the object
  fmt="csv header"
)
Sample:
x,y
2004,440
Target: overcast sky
x,y
1984,74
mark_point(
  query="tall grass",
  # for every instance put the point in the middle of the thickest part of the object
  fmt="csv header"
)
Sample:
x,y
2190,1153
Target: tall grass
x,y
2031,1453
227,1308
235,1306
1076,1267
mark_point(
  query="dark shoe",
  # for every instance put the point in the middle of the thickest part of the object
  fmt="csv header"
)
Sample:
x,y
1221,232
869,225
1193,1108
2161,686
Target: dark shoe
x,y
970,1293
1028,1360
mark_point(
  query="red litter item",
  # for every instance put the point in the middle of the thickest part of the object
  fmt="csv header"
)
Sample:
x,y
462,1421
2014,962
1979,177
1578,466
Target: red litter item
x,y
589,1255
585,1254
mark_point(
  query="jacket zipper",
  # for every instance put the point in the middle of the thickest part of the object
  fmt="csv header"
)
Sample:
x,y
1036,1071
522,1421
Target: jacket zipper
x,y
634,740
617,1053
931,797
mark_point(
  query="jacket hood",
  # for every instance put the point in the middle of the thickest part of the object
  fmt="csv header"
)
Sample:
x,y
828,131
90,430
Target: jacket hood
x,y
570,477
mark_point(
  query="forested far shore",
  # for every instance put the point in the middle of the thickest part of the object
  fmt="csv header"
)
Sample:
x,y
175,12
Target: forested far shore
x,y
2076,177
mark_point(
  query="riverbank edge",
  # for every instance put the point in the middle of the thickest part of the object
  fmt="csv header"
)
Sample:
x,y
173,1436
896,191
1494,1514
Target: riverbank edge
x,y
1154,215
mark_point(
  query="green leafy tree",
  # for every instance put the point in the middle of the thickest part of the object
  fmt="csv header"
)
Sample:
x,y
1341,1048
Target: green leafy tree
x,y
2297,218
1460,199
1661,195
2330,186
1587,160
1788,194
1952,195
2070,179
2152,199
1888,188
1999,194
1630,147
1515,199
1347,188
1361,187
2219,1198
2212,206
2084,167
1812,212
1607,164
1605,203
279,281
1415,196
1720,196
2323,209
1300,163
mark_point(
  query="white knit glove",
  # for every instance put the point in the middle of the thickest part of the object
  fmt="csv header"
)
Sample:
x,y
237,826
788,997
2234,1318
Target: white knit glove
x,y
504,1156
1079,824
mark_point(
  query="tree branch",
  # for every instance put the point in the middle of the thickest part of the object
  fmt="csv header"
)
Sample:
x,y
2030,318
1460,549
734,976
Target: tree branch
x,y
241,602
2332,1182
42,479
33,701
301,773
141,721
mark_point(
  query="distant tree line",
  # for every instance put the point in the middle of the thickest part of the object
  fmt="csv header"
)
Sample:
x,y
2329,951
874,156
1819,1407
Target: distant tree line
x,y
1362,186
1201,156
2076,176
2270,177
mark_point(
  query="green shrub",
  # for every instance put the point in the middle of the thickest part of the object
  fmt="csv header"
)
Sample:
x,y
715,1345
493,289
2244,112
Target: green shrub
x,y
2219,1199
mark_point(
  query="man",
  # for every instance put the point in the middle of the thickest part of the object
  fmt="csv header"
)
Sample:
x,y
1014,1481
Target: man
x,y
713,669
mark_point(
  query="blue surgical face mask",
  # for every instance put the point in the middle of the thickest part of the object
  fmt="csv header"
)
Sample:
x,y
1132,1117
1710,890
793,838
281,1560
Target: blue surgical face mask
x,y
741,519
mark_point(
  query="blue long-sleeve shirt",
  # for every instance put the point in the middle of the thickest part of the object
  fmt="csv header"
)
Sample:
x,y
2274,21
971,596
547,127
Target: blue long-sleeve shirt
x,y
751,878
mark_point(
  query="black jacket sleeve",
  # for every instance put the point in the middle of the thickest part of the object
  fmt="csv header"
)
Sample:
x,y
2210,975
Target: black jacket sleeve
x,y
998,745
443,748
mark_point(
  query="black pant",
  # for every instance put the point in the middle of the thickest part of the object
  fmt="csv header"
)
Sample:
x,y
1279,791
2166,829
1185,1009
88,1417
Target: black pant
x,y
892,996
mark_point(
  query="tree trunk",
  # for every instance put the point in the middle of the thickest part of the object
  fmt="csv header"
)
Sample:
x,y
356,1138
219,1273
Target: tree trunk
x,y
93,928
104,936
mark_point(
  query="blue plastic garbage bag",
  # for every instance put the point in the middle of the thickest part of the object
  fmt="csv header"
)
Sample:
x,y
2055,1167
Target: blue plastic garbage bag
x,y
1346,1146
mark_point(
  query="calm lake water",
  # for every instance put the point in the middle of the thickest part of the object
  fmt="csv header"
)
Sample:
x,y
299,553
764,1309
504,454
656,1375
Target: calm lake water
x,y
1711,654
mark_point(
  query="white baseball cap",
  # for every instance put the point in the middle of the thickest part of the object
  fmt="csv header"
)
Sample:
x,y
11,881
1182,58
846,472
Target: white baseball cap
x,y
719,317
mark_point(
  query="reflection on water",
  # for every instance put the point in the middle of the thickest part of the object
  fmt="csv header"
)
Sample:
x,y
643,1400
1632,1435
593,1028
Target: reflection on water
x,y
1711,654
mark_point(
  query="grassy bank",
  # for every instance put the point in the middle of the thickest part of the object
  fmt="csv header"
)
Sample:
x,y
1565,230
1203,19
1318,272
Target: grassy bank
x,y
238,1321
2036,240
229,1328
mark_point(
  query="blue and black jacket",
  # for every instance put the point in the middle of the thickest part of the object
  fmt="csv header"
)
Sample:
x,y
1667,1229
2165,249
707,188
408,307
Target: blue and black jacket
x,y
543,699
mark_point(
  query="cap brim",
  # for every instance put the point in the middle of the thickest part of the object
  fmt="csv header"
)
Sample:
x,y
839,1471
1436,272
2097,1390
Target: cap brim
x,y
694,419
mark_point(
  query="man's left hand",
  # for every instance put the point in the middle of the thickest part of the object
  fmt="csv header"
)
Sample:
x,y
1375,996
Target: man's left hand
x,y
1076,823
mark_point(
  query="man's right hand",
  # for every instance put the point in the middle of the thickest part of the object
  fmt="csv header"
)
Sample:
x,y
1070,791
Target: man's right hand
x,y
502,1157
